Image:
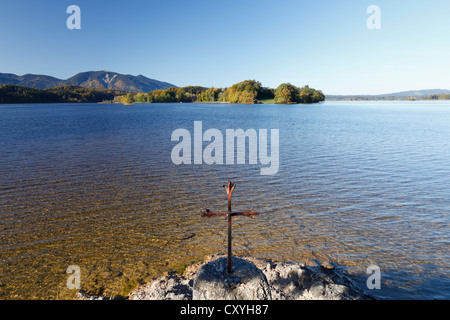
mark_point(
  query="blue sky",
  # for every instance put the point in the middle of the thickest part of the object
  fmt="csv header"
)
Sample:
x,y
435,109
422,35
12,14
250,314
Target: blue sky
x,y
323,43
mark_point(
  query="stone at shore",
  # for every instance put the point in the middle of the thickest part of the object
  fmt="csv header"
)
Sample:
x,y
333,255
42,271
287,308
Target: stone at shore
x,y
245,282
250,279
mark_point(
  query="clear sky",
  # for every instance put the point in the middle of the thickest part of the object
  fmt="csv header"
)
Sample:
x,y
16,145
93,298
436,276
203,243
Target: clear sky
x,y
323,43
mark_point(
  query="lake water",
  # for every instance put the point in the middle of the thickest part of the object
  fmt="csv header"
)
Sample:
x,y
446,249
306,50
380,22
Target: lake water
x,y
93,185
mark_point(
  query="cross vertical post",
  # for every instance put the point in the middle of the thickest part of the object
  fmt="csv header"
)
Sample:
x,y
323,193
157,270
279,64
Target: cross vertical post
x,y
229,188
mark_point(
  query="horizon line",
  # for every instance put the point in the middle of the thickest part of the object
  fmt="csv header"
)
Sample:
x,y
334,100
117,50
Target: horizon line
x,y
326,94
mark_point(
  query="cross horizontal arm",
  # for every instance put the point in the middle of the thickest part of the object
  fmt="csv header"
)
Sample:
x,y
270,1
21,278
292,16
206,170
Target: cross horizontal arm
x,y
209,213
248,213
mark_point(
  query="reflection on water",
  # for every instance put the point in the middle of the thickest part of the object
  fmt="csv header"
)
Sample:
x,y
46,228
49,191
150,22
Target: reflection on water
x,y
94,186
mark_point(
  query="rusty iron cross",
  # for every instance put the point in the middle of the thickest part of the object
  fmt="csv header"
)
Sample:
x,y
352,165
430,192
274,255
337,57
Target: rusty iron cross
x,y
229,188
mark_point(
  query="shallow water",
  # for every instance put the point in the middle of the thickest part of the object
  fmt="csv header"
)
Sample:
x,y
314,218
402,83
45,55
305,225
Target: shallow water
x,y
93,185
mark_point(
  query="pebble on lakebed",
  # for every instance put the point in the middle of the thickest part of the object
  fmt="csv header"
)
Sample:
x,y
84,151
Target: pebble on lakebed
x,y
251,279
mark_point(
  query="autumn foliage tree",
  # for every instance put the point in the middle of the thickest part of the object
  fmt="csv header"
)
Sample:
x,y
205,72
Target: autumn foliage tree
x,y
247,92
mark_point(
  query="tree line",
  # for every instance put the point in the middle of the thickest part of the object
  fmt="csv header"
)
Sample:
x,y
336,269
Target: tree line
x,y
62,94
245,92
445,96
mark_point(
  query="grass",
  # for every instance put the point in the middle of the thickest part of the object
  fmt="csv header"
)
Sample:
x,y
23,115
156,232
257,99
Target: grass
x,y
267,101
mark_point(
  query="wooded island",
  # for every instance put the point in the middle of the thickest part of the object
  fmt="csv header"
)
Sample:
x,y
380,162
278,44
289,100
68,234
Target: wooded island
x,y
245,92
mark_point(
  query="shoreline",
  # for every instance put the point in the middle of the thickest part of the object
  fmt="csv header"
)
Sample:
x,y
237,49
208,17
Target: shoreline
x,y
287,281
221,102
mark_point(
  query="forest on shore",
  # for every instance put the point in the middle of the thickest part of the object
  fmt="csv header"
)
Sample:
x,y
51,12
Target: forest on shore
x,y
63,94
245,92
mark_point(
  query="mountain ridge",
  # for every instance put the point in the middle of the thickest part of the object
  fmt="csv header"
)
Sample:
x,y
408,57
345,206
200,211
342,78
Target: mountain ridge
x,y
89,79
418,94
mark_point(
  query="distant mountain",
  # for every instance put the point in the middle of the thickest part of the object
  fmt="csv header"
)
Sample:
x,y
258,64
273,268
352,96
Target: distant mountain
x,y
30,80
91,79
116,81
418,94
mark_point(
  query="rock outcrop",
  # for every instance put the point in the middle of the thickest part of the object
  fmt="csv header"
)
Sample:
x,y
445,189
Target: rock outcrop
x,y
251,279
245,282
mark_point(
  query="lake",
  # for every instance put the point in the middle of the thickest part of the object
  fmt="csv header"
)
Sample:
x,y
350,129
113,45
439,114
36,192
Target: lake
x,y
94,185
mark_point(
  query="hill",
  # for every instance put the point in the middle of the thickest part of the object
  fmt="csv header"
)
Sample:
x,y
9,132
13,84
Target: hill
x,y
90,79
403,95
35,81
116,81
419,93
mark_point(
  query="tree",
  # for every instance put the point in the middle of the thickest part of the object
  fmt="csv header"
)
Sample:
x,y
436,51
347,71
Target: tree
x,y
318,96
286,93
128,98
246,97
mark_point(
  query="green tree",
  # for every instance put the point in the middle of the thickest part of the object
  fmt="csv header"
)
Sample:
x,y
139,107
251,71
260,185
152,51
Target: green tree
x,y
128,98
286,93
